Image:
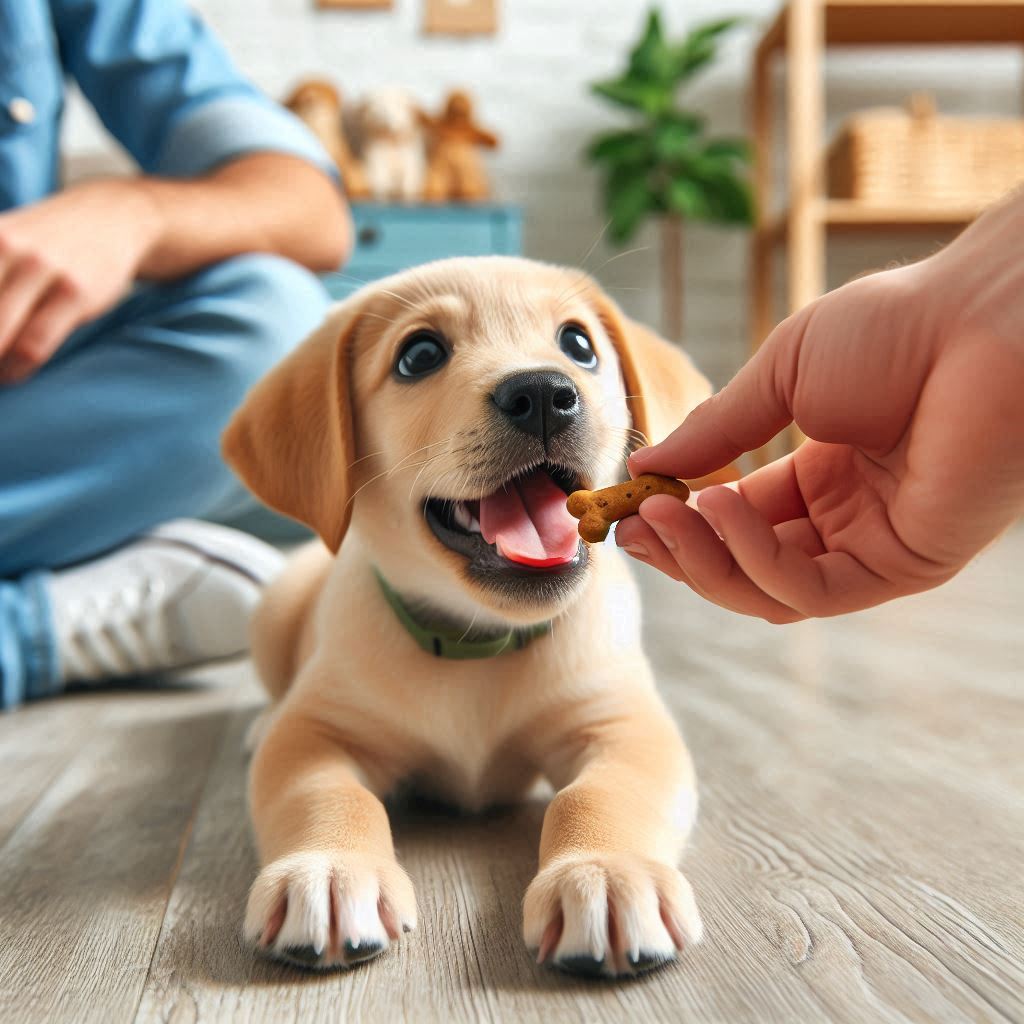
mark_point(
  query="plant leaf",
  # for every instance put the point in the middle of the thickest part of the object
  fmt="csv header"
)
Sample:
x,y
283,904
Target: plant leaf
x,y
629,200
650,98
673,139
730,200
652,58
624,147
700,46
730,149
686,197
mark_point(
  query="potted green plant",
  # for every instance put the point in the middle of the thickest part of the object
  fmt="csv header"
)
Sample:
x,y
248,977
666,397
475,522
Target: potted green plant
x,y
665,164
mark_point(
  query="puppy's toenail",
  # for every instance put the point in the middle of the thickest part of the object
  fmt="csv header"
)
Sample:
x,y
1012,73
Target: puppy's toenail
x,y
364,951
649,961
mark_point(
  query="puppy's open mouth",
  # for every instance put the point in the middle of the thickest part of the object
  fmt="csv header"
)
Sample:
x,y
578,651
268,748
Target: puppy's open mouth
x,y
521,526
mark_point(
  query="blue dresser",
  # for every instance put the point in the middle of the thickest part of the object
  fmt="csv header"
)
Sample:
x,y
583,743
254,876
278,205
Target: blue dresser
x,y
393,238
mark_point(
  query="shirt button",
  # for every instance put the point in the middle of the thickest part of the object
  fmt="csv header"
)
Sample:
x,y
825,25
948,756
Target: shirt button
x,y
21,110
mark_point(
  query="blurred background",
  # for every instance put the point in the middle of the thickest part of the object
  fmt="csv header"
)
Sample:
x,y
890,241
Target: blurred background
x,y
530,79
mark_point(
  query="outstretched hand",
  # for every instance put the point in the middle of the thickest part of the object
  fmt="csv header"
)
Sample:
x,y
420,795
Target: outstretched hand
x,y
909,385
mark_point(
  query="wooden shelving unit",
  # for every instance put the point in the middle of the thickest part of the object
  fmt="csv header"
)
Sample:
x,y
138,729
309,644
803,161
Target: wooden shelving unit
x,y
800,34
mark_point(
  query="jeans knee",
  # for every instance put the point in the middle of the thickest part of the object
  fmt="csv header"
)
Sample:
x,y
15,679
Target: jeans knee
x,y
277,304
243,316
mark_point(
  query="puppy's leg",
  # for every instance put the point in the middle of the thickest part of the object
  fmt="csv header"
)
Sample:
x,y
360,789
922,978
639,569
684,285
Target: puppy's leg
x,y
608,898
331,893
282,628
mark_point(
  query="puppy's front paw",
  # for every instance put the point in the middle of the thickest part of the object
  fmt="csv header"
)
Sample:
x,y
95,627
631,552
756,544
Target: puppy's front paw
x,y
329,910
609,914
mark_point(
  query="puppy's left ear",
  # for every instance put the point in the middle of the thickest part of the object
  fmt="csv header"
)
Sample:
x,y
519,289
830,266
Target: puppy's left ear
x,y
662,383
293,441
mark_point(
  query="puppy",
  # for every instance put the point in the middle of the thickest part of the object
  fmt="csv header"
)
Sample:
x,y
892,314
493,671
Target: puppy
x,y
462,638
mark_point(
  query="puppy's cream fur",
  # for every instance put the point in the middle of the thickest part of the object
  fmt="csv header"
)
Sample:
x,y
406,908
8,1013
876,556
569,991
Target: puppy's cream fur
x,y
333,439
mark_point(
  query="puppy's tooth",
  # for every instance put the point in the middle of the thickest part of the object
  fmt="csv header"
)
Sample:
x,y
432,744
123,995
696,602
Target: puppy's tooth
x,y
461,515
474,525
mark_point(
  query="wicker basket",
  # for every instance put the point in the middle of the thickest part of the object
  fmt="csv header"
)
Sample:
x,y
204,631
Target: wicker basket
x,y
889,156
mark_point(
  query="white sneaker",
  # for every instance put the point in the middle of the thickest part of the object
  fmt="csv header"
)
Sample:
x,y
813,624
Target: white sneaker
x,y
178,596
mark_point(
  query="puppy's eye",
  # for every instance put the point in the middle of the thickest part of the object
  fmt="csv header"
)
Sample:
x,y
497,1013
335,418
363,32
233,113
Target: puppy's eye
x,y
422,353
576,344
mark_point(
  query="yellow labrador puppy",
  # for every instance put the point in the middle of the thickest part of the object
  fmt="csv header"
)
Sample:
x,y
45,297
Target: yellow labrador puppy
x,y
462,639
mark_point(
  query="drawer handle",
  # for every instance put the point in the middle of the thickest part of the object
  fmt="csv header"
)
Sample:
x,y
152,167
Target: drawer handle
x,y
368,235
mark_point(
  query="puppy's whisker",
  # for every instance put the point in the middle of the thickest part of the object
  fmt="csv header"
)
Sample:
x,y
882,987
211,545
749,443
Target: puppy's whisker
x,y
363,458
379,316
345,277
472,623
621,256
398,465
433,444
596,242
400,298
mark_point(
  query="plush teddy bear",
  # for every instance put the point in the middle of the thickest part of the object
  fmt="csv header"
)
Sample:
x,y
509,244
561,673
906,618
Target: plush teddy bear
x,y
318,103
389,133
455,170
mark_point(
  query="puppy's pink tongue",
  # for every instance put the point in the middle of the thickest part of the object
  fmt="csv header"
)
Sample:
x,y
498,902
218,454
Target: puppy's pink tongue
x,y
529,522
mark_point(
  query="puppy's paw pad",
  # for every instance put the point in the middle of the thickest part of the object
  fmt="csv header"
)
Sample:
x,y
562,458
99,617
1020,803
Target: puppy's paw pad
x,y
329,910
586,966
609,915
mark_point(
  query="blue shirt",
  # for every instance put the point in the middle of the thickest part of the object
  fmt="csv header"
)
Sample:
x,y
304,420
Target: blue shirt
x,y
160,81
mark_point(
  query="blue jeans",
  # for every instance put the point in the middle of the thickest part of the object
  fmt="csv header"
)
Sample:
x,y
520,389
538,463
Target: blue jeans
x,y
120,431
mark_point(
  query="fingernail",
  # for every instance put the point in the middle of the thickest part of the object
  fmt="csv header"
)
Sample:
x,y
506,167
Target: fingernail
x,y
637,550
640,456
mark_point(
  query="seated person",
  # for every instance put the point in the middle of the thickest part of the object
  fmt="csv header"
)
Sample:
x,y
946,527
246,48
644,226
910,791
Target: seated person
x,y
134,315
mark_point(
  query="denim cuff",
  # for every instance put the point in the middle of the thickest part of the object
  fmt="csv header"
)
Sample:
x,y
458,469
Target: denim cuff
x,y
29,663
233,126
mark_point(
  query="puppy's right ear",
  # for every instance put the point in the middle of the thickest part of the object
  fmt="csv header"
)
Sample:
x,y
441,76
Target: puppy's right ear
x,y
292,441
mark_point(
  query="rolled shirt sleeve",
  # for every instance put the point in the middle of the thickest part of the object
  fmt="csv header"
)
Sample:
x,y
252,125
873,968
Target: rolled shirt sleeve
x,y
167,90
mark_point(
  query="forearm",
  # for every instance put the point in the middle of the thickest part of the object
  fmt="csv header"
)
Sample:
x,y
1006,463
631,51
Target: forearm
x,y
632,789
266,202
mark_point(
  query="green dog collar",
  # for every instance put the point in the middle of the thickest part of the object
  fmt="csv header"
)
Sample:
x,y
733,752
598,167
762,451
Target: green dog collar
x,y
453,645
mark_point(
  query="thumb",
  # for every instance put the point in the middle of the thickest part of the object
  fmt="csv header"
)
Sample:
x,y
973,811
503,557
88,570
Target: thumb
x,y
747,413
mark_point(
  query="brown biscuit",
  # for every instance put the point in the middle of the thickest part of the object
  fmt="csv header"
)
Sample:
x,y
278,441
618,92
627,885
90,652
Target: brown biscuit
x,y
597,510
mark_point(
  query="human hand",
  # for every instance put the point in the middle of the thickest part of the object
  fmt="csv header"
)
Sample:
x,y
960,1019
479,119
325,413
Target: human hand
x,y
909,385
64,261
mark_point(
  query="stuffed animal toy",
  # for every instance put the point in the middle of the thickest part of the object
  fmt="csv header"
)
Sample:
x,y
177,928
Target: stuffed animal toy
x,y
455,170
389,132
318,103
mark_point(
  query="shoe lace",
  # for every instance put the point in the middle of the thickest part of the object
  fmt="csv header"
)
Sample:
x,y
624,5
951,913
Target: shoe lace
x,y
119,632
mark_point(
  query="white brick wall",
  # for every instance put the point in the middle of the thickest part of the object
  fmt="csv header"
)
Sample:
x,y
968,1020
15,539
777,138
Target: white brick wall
x,y
531,83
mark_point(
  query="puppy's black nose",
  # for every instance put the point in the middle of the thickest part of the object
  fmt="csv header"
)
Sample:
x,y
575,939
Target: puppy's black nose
x,y
539,402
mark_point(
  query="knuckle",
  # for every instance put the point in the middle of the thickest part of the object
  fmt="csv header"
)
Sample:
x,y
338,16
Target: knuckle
x,y
71,287
32,352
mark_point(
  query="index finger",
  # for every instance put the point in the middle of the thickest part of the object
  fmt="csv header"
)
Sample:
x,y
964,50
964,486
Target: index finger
x,y
747,413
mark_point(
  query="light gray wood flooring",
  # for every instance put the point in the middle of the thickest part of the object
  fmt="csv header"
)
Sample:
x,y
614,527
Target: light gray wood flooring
x,y
859,855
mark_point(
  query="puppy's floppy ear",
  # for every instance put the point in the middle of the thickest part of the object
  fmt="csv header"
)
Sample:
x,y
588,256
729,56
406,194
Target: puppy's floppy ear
x,y
292,441
662,383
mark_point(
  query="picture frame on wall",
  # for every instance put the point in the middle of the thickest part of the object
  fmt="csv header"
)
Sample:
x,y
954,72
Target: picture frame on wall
x,y
461,17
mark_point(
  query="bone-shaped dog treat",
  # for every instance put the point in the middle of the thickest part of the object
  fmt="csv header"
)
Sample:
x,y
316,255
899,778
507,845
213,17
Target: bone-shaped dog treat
x,y
597,510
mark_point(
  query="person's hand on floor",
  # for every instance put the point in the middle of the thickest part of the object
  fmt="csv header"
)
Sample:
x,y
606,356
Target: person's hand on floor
x,y
909,385
65,260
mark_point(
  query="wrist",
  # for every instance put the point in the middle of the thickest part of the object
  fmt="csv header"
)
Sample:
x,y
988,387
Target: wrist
x,y
131,208
150,219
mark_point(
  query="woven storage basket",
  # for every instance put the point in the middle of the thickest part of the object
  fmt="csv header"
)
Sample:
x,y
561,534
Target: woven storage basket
x,y
890,155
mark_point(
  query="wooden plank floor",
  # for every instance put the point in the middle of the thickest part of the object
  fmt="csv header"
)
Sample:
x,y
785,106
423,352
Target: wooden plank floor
x,y
858,857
